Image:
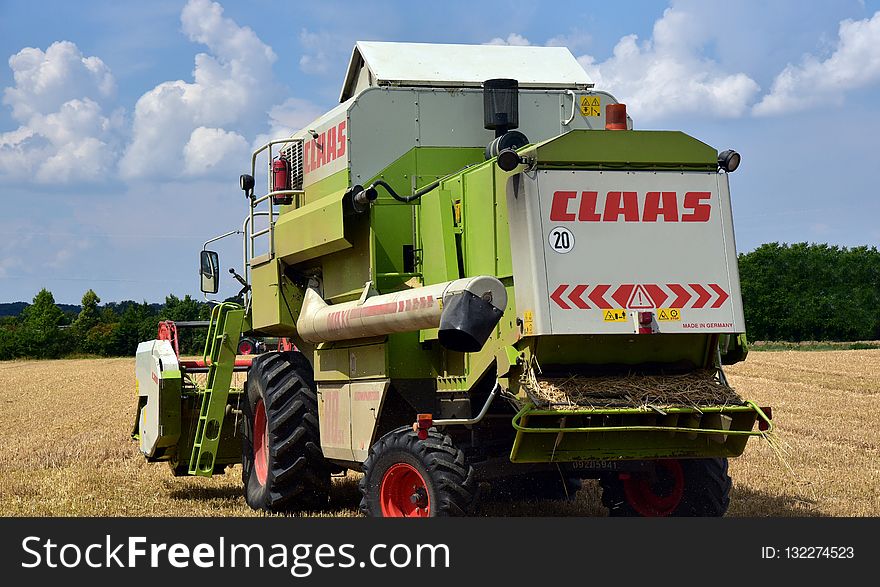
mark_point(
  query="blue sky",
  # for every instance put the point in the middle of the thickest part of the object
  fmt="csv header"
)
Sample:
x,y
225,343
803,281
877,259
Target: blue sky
x,y
124,125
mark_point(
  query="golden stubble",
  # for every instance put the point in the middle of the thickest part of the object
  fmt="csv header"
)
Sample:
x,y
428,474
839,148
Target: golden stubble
x,y
65,448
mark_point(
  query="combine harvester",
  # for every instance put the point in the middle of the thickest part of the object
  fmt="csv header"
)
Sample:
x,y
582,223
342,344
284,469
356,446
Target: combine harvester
x,y
492,282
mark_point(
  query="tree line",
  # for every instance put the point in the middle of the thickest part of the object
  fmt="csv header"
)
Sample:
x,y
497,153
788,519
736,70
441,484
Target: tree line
x,y
790,293
43,331
811,292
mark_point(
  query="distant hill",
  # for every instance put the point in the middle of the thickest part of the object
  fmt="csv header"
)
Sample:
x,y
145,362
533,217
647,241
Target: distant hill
x,y
12,308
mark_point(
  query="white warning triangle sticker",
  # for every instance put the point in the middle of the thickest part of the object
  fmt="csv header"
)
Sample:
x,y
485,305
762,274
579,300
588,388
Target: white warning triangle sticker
x,y
640,300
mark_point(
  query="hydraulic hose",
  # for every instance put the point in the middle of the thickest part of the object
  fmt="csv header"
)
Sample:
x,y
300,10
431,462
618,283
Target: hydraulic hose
x,y
416,195
405,199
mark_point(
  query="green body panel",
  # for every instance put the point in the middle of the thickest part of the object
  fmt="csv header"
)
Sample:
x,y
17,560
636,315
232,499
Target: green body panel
x,y
311,231
169,401
395,225
438,238
221,345
329,185
276,301
367,359
635,149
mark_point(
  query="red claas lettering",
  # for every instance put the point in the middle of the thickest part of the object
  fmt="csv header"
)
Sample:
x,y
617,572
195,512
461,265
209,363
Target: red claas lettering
x,y
328,146
621,206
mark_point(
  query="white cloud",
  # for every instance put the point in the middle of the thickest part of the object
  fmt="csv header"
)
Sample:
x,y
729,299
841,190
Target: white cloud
x,y
64,134
314,59
668,75
514,39
46,80
288,117
214,148
324,52
576,40
855,63
231,92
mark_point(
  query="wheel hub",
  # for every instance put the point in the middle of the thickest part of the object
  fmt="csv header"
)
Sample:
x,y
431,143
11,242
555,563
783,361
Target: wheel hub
x,y
261,443
658,494
403,493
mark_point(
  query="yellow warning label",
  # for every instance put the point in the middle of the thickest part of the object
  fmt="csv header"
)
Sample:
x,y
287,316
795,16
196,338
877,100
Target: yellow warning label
x,y
528,323
614,315
668,314
591,106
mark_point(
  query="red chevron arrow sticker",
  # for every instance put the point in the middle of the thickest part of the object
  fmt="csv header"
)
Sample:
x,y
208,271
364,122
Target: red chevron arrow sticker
x,y
722,295
622,294
556,296
597,296
576,299
703,295
682,295
657,294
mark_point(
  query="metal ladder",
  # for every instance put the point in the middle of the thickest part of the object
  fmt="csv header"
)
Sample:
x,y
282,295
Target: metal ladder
x,y
221,345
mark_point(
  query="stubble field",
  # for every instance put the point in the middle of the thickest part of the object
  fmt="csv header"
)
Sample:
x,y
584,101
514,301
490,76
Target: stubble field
x,y
65,447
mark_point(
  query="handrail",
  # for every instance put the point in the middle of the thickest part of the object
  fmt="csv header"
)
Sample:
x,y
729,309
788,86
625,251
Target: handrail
x,y
256,201
528,410
568,120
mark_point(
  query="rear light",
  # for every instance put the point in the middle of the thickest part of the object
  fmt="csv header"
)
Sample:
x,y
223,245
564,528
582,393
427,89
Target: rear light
x,y
645,321
615,117
423,423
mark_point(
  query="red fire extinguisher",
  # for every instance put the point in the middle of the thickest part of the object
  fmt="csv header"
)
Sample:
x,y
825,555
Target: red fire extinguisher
x,y
281,181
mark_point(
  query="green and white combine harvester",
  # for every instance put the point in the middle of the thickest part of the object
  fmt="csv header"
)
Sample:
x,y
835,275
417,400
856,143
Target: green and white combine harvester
x,y
493,284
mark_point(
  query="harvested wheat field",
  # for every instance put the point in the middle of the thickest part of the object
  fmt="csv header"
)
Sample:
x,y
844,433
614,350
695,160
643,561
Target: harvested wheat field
x,y
65,448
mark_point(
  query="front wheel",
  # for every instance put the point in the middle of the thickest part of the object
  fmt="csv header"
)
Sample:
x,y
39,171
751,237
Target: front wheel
x,y
283,467
405,477
687,487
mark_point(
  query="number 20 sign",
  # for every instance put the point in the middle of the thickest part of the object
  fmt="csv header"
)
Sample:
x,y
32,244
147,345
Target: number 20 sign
x,y
561,240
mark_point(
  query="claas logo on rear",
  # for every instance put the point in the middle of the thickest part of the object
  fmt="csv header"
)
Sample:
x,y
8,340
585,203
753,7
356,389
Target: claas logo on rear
x,y
571,206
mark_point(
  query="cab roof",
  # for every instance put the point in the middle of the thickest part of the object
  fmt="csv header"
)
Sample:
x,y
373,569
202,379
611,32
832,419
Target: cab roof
x,y
375,63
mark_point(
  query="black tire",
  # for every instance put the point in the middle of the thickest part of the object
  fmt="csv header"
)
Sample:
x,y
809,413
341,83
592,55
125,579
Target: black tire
x,y
448,483
542,485
297,477
704,490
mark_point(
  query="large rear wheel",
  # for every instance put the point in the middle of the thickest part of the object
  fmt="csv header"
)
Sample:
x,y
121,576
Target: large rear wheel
x,y
687,487
412,478
283,467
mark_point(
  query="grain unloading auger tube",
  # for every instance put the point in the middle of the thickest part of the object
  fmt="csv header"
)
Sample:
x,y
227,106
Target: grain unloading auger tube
x,y
465,311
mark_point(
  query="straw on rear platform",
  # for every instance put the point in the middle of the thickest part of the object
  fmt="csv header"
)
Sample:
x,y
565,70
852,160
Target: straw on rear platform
x,y
696,389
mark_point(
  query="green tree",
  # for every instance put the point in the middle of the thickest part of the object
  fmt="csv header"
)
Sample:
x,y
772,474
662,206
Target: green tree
x,y
811,292
40,335
88,317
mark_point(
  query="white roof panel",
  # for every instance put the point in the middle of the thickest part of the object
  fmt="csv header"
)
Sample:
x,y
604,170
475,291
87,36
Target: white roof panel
x,y
423,64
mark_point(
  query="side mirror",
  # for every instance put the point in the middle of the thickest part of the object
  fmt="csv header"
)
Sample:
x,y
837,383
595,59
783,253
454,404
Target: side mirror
x,y
247,184
209,271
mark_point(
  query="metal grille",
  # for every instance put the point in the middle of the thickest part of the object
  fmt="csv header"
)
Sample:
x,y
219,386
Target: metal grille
x,y
293,153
